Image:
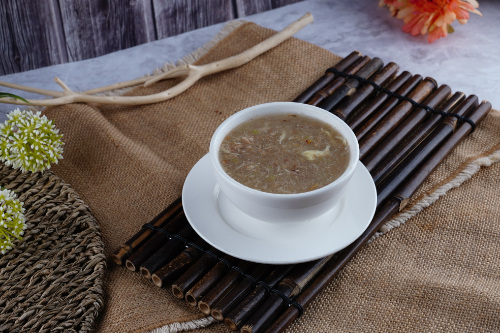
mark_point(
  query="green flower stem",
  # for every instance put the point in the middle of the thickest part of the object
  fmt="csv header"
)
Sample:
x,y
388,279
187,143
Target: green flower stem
x,y
4,94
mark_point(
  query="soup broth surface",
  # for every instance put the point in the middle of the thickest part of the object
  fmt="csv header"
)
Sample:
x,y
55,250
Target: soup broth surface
x,y
285,153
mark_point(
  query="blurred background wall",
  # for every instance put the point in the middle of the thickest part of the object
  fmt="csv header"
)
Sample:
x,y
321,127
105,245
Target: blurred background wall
x,y
38,33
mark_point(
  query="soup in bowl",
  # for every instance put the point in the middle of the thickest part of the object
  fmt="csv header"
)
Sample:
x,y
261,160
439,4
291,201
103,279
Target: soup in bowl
x,y
284,162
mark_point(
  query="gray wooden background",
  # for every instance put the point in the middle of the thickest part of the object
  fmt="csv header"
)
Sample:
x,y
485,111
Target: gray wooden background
x,y
38,33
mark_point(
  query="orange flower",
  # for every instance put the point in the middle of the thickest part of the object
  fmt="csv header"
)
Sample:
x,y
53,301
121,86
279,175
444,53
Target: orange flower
x,y
431,16
392,4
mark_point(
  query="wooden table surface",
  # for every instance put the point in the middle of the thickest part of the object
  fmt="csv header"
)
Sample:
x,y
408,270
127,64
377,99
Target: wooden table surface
x,y
41,33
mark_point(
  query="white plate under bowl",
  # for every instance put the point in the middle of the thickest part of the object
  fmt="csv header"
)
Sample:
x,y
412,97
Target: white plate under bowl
x,y
228,229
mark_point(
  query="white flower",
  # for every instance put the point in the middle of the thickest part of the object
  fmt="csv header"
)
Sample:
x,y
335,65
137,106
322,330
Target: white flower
x,y
29,142
12,220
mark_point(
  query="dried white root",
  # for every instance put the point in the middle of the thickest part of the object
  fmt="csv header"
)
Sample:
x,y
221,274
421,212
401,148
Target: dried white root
x,y
191,72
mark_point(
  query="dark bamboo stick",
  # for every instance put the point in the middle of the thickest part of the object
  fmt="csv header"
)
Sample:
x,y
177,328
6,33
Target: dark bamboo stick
x,y
236,295
142,236
384,213
167,252
322,94
195,273
252,301
405,191
327,77
421,153
225,285
396,153
179,265
359,118
387,107
158,240
404,108
209,280
345,109
349,88
333,268
291,286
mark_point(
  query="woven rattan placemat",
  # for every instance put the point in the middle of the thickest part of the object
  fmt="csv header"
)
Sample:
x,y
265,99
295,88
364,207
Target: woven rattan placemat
x,y
52,279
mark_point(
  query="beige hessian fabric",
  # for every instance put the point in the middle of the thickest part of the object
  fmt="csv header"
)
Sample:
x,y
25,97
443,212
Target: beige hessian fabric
x,y
127,163
437,272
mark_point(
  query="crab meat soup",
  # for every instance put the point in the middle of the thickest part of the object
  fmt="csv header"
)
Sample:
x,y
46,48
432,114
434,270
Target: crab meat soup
x,y
285,153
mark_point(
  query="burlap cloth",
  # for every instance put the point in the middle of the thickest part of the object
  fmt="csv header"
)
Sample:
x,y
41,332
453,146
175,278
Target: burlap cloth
x,y
438,271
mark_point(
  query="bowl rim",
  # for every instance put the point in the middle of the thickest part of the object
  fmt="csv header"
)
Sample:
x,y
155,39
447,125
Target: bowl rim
x,y
222,129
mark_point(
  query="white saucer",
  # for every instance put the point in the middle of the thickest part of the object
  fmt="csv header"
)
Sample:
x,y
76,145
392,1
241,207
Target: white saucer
x,y
228,229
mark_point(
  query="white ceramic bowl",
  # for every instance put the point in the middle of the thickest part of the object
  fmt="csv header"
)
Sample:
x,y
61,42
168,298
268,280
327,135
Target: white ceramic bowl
x,y
283,208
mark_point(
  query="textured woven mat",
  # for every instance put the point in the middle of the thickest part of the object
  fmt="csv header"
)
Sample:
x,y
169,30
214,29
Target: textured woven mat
x,y
129,162
52,279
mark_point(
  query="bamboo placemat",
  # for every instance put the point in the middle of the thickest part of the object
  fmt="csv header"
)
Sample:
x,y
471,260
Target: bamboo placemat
x,y
129,163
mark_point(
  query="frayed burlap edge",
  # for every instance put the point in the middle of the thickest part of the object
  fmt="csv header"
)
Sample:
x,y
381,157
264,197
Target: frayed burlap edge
x,y
456,180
